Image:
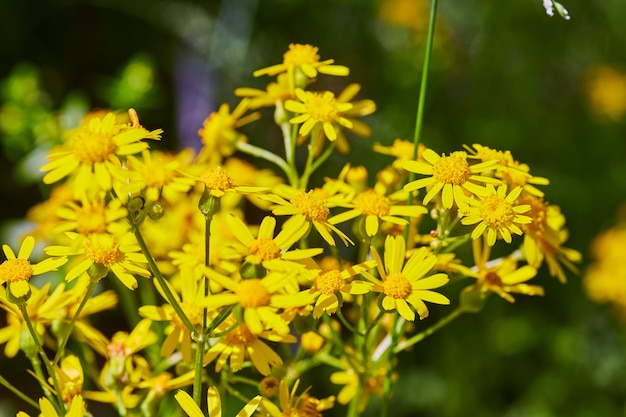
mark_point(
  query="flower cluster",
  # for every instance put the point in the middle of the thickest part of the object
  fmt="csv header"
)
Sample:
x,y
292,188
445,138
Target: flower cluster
x,y
331,274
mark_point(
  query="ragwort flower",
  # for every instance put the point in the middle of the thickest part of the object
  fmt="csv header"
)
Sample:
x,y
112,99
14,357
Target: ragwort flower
x,y
214,403
16,271
404,284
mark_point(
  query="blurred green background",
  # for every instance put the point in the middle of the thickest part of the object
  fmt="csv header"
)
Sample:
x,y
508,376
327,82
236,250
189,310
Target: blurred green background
x,y
504,74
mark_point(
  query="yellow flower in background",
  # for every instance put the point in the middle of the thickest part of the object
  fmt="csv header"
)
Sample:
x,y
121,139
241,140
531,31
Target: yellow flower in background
x,y
606,89
275,93
95,215
450,177
318,112
291,404
240,343
219,132
303,60
218,182
359,108
214,403
404,284
93,153
243,172
16,271
120,254
496,214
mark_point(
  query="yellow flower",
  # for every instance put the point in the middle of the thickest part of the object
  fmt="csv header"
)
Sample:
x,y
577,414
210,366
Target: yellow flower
x,y
374,207
259,299
319,110
544,237
501,277
606,89
331,286
119,254
404,284
219,132
214,403
94,215
303,61
275,93
76,408
218,182
313,207
243,172
94,152
265,248
359,108
372,384
497,214
16,271
239,342
451,176
292,405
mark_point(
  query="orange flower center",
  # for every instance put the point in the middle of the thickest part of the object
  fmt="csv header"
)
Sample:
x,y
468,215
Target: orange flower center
x,y
496,212
452,169
17,269
264,248
240,335
322,107
370,202
312,205
328,282
90,147
91,218
397,286
301,54
103,249
252,293
491,278
217,179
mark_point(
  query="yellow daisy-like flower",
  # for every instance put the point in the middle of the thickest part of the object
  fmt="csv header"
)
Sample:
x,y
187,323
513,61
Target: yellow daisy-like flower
x,y
218,182
330,287
312,206
76,408
497,214
319,110
303,59
92,216
94,152
243,172
240,343
16,271
265,248
275,93
359,108
404,284
450,176
292,405
606,90
259,298
119,254
374,207
503,277
214,403
219,132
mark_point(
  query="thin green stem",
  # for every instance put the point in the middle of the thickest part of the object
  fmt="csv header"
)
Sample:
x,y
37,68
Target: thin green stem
x,y
292,176
66,337
17,392
403,345
197,380
171,299
395,332
315,164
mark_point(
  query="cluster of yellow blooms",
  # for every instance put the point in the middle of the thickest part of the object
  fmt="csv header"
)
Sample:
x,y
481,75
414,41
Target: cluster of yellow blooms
x,y
331,275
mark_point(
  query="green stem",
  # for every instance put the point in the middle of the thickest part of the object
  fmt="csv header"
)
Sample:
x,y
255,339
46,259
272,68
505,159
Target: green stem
x,y
197,380
292,176
66,337
171,299
390,368
313,165
17,392
403,345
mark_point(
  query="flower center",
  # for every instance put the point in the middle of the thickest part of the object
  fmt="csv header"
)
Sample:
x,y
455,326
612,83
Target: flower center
x,y
92,147
240,335
194,312
397,286
17,269
157,175
312,205
370,202
322,107
103,249
452,169
537,213
299,54
252,293
264,248
491,278
217,179
328,282
496,212
91,218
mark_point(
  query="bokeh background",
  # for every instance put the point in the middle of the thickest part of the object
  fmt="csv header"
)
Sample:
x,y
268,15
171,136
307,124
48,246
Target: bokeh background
x,y
504,74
